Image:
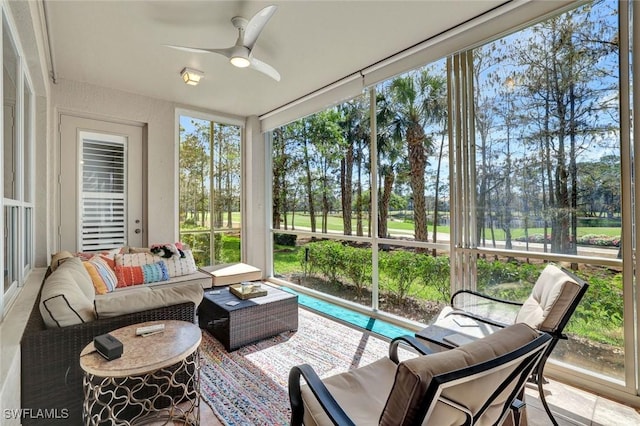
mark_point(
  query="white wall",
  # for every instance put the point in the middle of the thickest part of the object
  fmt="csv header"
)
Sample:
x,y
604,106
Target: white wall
x,y
114,105
254,214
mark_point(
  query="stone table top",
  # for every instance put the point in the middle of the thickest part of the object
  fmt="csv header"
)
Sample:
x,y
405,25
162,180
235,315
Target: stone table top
x,y
142,355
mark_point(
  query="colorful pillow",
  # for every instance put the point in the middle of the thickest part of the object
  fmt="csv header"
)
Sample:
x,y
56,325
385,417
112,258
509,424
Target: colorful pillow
x,y
181,266
103,278
87,255
98,283
155,272
111,263
136,259
139,250
129,275
144,274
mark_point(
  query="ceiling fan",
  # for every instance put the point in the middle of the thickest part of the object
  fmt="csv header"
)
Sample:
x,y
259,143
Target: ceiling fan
x,y
241,53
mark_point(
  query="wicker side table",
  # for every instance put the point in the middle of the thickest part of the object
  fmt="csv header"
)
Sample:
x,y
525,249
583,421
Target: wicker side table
x,y
157,377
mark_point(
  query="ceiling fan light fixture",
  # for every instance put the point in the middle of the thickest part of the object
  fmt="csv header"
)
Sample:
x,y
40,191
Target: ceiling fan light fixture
x,y
241,53
239,56
239,61
190,76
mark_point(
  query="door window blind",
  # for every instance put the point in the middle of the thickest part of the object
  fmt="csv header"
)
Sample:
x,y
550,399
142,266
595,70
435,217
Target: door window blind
x,y
103,218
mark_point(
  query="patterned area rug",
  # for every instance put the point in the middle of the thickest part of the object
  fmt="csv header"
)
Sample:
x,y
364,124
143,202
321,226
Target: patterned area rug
x,y
249,386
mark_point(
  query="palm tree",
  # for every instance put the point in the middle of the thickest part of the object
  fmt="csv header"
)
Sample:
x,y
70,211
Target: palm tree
x,y
389,154
355,126
419,100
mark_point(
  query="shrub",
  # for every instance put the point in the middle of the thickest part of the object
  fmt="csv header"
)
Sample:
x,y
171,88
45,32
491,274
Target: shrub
x,y
325,256
357,266
493,274
288,240
589,239
199,244
217,247
602,301
435,272
401,269
599,240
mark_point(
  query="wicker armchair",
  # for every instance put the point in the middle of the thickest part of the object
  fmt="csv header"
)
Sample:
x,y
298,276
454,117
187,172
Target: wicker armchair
x,y
51,377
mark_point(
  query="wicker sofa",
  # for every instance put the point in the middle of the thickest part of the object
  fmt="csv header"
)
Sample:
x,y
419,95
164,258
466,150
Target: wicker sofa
x,y
51,377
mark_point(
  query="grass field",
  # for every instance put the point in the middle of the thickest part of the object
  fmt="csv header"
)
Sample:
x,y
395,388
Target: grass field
x,y
395,226
400,226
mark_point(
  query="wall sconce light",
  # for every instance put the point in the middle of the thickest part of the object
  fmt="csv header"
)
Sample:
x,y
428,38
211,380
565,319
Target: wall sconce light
x,y
190,76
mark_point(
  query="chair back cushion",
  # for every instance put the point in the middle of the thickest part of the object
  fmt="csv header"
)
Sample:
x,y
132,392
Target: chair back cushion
x,y
406,402
550,300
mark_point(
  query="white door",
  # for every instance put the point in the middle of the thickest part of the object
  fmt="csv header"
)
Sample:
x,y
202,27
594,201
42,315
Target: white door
x,y
101,185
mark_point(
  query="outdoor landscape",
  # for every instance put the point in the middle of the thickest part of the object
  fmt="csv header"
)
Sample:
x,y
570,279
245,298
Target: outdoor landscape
x,y
396,170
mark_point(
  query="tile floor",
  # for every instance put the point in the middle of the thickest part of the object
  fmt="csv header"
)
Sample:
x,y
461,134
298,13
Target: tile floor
x,y
572,406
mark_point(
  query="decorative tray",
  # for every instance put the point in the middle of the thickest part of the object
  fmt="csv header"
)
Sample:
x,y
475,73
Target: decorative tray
x,y
247,292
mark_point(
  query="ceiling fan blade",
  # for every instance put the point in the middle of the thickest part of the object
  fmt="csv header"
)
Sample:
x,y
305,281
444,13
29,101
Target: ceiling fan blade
x,y
264,68
256,24
224,52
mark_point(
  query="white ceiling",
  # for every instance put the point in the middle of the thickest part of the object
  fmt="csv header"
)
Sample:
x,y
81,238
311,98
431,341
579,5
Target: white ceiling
x,y
119,44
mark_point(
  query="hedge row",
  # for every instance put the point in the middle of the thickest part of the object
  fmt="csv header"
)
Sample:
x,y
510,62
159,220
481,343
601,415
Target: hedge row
x,y
589,239
400,271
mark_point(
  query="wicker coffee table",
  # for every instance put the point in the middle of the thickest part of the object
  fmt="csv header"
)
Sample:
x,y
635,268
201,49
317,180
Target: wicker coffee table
x,y
249,320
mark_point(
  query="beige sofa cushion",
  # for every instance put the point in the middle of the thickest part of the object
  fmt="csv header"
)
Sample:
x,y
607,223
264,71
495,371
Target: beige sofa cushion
x,y
80,276
414,377
141,298
201,278
58,258
552,294
64,299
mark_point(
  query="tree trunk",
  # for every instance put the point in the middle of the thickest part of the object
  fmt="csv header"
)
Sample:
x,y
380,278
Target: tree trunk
x,y
312,214
417,163
359,231
389,178
346,184
573,177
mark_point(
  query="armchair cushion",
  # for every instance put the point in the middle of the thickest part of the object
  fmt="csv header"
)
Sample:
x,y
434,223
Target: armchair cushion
x,y
550,298
363,391
414,376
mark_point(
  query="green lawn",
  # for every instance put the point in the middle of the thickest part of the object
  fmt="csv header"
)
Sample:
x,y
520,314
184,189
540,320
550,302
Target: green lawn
x,y
405,227
335,224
